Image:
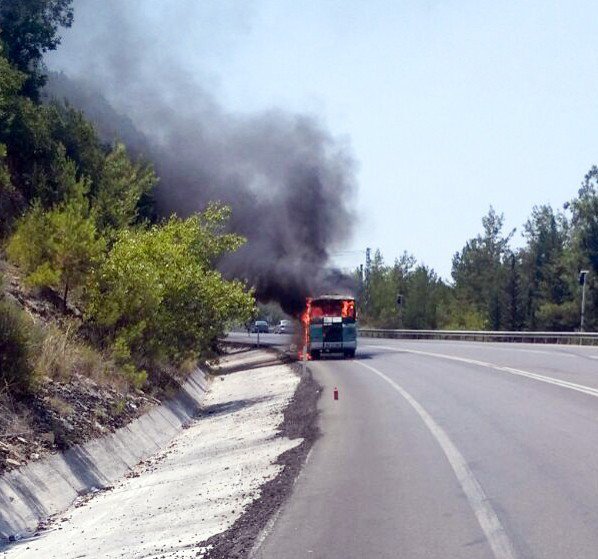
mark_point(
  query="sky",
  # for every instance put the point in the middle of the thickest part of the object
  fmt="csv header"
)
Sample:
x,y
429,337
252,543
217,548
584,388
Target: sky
x,y
448,107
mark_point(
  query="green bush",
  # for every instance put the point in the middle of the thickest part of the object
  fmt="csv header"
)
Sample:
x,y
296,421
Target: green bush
x,y
563,317
158,295
58,248
16,373
120,188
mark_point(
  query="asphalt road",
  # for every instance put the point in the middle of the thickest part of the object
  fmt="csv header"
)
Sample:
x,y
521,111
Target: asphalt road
x,y
449,449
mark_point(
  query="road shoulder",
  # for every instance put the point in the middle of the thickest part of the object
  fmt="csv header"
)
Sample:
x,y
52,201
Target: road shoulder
x,y
213,488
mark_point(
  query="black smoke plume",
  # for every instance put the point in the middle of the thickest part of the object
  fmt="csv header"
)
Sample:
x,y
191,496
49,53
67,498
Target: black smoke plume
x,y
288,181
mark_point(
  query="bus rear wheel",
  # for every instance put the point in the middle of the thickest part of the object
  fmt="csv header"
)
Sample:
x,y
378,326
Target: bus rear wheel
x,y
349,353
315,354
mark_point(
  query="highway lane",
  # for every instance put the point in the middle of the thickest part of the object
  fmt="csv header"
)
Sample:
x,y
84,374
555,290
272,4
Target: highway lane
x,y
533,358
437,449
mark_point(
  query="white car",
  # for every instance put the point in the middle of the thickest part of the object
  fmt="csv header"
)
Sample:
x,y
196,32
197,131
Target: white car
x,y
284,327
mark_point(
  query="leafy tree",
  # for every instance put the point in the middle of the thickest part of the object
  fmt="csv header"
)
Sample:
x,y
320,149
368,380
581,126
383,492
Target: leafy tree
x,y
158,295
584,241
8,196
423,296
381,304
29,28
513,316
11,82
120,187
558,317
543,266
40,143
479,270
47,141
32,152
71,129
585,217
462,315
40,139
58,248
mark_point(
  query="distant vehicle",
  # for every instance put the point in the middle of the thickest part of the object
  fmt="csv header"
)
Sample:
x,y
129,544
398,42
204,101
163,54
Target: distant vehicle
x,y
331,327
260,326
284,327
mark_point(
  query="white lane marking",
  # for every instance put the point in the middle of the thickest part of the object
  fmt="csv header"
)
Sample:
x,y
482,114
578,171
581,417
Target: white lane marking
x,y
561,350
519,349
550,380
493,530
537,351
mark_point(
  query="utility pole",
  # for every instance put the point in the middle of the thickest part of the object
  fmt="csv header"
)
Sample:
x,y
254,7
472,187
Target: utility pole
x,y
582,281
368,269
361,288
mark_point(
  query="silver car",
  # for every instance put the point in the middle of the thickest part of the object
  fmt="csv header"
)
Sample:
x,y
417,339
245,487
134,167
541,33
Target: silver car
x,y
284,327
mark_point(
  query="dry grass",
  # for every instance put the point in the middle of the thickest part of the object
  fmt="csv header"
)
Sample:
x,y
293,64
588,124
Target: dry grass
x,y
62,355
51,344
58,354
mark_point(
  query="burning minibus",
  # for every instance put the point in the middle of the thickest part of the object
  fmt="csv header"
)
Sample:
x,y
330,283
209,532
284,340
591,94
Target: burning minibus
x,y
330,326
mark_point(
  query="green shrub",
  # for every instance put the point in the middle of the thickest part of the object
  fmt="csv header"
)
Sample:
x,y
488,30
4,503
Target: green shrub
x,y
159,296
136,378
557,317
16,372
58,248
120,188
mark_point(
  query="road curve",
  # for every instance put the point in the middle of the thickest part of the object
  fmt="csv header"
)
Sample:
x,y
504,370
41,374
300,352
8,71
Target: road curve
x,y
449,449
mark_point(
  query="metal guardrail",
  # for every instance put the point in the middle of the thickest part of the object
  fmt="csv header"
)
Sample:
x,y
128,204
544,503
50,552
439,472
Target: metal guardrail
x,y
578,338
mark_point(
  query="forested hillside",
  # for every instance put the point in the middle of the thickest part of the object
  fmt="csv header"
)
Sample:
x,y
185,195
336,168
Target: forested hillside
x,y
496,286
79,223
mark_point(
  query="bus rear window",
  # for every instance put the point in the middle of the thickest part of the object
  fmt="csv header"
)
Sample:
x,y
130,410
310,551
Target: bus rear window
x,y
332,307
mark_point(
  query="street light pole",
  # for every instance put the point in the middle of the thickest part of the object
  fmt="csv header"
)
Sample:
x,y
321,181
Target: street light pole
x,y
582,281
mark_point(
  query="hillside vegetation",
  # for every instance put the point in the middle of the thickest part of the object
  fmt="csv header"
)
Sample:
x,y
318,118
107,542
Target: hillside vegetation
x,y
96,285
494,285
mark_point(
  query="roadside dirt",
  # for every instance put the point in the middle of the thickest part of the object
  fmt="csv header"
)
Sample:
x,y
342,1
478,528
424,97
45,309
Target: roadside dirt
x,y
225,473
300,421
60,415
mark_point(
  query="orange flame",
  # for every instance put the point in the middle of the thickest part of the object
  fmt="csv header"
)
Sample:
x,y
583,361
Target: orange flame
x,y
305,321
348,310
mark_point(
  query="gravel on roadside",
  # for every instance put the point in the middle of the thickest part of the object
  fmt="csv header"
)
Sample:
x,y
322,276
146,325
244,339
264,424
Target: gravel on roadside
x,y
300,421
212,490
